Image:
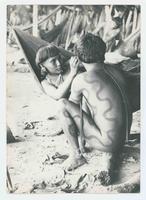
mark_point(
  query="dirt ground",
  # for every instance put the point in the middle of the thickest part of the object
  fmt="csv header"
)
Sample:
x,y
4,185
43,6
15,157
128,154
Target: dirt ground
x,y
35,161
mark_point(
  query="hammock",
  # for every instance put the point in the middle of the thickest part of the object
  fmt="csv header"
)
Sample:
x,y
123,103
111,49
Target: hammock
x,y
54,33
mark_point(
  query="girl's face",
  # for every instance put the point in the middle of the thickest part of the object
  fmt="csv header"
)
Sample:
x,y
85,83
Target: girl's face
x,y
53,65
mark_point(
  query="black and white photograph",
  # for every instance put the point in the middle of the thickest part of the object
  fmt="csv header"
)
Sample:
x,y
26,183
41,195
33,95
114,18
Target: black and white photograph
x,y
73,106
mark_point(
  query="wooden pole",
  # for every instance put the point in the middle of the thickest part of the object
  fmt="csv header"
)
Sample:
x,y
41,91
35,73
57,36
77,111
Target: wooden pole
x,y
133,35
69,31
42,20
9,181
35,21
135,16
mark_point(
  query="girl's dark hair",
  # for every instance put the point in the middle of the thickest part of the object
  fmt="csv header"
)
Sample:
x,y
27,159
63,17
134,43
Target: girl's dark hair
x,y
46,52
42,55
90,49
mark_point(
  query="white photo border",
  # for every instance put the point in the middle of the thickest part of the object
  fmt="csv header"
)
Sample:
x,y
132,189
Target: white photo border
x,y
3,194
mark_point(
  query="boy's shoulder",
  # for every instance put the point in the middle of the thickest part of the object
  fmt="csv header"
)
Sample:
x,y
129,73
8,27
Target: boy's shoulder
x,y
80,76
78,80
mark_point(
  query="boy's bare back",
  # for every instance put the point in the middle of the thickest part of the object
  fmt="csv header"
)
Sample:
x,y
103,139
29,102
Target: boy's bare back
x,y
104,99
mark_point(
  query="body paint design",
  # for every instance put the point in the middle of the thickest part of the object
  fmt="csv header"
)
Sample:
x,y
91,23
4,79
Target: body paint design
x,y
111,132
93,137
92,107
76,116
64,101
66,114
72,129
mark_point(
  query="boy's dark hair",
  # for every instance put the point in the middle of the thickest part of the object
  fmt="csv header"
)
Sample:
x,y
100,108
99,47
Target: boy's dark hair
x,y
90,49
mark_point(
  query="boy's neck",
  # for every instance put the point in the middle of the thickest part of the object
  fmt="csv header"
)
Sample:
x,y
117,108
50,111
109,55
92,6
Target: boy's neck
x,y
93,66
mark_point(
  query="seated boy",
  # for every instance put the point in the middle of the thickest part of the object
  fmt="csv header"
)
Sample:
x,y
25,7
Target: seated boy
x,y
105,93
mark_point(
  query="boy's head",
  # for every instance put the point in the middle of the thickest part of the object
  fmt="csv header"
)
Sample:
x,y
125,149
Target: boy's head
x,y
90,49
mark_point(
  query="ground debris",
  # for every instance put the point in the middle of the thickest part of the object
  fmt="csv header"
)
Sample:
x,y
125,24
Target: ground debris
x,y
47,127
56,158
42,186
78,183
29,125
57,155
52,181
74,184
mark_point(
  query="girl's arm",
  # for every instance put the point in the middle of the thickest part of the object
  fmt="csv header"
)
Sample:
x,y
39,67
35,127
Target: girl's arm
x,y
61,91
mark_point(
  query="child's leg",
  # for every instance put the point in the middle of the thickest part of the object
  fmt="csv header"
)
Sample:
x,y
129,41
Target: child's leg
x,y
70,119
72,132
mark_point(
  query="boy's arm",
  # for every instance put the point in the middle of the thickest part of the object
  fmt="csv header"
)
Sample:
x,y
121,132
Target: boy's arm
x,y
76,90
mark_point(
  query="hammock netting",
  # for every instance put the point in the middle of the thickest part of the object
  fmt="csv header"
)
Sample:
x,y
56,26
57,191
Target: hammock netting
x,y
54,33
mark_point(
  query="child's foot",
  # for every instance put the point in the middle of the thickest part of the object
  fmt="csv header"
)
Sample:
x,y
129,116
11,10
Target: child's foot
x,y
74,162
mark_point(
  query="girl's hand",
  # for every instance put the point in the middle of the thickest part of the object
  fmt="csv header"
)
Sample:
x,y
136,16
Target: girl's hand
x,y
74,65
